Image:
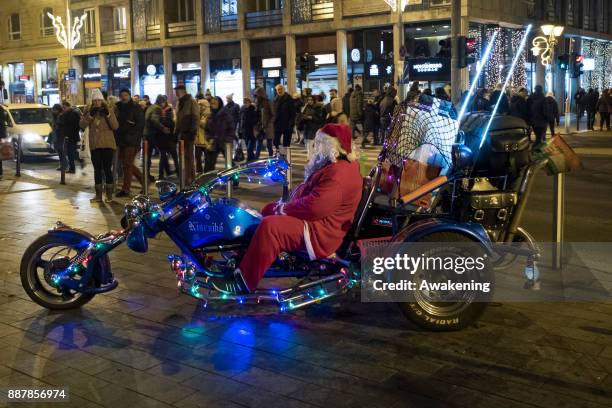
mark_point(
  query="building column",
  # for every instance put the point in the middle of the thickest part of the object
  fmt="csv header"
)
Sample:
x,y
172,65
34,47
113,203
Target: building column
x,y
540,74
204,67
465,74
241,15
103,72
398,61
245,65
167,59
199,16
163,30
135,72
290,55
79,97
341,61
287,12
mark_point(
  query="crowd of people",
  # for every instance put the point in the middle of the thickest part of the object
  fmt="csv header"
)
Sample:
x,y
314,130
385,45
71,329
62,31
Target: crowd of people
x,y
208,124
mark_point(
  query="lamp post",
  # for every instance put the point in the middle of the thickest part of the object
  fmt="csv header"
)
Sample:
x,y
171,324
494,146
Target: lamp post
x,y
399,6
545,47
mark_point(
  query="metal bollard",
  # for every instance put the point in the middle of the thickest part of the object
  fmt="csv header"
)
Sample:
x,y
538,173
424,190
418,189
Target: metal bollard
x,y
145,167
558,219
63,162
289,171
181,169
229,148
18,153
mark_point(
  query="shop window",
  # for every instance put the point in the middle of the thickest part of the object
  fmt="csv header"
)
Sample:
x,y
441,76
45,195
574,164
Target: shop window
x,y
152,10
119,19
46,24
14,26
186,10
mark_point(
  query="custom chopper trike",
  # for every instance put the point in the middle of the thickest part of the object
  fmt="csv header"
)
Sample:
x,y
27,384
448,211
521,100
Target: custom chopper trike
x,y
458,192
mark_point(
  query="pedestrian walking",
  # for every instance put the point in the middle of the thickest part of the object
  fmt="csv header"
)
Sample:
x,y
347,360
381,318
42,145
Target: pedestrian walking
x,y
284,118
370,121
201,142
551,110
187,120
166,139
153,131
481,103
264,129
603,107
539,120
101,123
518,105
334,107
356,110
246,129
219,130
590,105
346,102
130,117
387,106
69,132
498,94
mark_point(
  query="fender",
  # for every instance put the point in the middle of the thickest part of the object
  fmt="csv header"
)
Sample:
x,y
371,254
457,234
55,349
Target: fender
x,y
420,229
78,238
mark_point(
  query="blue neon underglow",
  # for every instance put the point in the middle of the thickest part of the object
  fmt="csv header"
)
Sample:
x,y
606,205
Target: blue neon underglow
x,y
517,55
485,57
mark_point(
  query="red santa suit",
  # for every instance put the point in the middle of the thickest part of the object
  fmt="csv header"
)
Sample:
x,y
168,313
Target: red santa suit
x,y
315,219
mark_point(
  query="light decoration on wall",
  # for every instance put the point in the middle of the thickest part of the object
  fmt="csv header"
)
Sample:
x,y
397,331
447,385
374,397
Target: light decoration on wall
x,y
70,39
394,4
601,76
496,62
519,79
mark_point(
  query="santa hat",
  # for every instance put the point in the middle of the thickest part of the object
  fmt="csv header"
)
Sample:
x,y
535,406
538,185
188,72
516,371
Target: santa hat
x,y
341,132
96,95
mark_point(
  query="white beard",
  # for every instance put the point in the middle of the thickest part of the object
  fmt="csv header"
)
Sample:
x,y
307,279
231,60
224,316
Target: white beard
x,y
325,152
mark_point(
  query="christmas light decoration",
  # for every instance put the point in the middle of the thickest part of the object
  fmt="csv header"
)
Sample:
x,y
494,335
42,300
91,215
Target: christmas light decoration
x,y
496,62
68,37
519,79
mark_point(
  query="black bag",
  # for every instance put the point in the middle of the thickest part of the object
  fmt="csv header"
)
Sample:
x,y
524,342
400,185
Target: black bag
x,y
238,153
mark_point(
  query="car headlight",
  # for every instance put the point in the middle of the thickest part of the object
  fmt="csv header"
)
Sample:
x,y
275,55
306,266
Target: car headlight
x,y
30,137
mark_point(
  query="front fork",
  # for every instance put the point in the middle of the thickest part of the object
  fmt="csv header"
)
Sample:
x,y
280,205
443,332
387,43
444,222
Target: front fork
x,y
84,263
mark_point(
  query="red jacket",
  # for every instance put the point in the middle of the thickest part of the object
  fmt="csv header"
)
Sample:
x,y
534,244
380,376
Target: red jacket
x,y
327,202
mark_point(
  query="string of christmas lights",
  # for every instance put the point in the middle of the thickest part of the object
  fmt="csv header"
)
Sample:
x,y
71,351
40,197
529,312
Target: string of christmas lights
x,y
495,64
601,52
519,78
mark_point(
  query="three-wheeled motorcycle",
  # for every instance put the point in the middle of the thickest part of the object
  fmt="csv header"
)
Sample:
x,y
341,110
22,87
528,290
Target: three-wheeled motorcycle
x,y
436,180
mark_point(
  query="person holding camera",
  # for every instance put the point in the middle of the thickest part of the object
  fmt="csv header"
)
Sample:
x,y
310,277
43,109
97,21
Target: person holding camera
x,y
102,124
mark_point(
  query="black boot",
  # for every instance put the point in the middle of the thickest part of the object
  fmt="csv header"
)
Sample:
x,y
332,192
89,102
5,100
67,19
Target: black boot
x,y
232,283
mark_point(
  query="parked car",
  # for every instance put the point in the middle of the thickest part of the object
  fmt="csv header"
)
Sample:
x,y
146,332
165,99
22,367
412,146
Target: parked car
x,y
33,123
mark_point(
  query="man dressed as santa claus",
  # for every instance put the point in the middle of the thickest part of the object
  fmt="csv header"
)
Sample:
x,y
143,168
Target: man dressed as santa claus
x,y
315,219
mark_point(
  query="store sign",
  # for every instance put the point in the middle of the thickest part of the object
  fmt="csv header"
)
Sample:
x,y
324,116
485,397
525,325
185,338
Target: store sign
x,y
588,64
151,69
24,77
271,62
188,66
123,73
72,74
92,76
325,59
428,69
273,73
373,70
355,55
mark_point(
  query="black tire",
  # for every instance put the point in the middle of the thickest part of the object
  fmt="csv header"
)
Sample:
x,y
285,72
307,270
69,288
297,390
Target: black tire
x,y
454,315
31,281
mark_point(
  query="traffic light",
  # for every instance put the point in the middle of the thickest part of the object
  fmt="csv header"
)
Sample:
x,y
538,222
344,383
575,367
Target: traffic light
x,y
467,51
563,61
578,64
306,63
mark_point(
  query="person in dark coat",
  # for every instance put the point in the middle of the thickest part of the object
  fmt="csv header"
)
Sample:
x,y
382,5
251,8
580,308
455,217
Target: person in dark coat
x,y
579,98
387,106
159,127
603,105
129,137
441,94
248,120
518,105
346,102
233,109
69,135
284,117
370,120
539,121
313,120
504,105
551,110
590,104
219,130
481,103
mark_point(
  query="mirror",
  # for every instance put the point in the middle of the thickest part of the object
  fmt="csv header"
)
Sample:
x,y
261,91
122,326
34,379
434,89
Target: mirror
x,y
166,189
462,157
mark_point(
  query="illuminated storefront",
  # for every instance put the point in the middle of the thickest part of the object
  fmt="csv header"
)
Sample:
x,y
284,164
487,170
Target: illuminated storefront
x,y
119,73
151,74
47,84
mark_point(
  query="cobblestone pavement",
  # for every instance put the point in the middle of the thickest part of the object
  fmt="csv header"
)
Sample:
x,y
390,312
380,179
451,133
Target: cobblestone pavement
x,y
143,345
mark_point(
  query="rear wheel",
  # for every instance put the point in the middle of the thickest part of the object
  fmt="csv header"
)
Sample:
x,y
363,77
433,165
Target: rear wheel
x,y
46,256
428,309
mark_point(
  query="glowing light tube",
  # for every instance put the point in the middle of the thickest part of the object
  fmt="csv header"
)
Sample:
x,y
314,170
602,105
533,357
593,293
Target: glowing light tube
x,y
479,69
517,56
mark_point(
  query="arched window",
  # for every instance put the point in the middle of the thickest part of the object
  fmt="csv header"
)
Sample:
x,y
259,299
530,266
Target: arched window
x,y
14,27
46,25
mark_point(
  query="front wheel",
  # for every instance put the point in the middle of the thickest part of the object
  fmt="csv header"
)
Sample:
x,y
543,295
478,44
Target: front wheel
x,y
427,311
46,256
